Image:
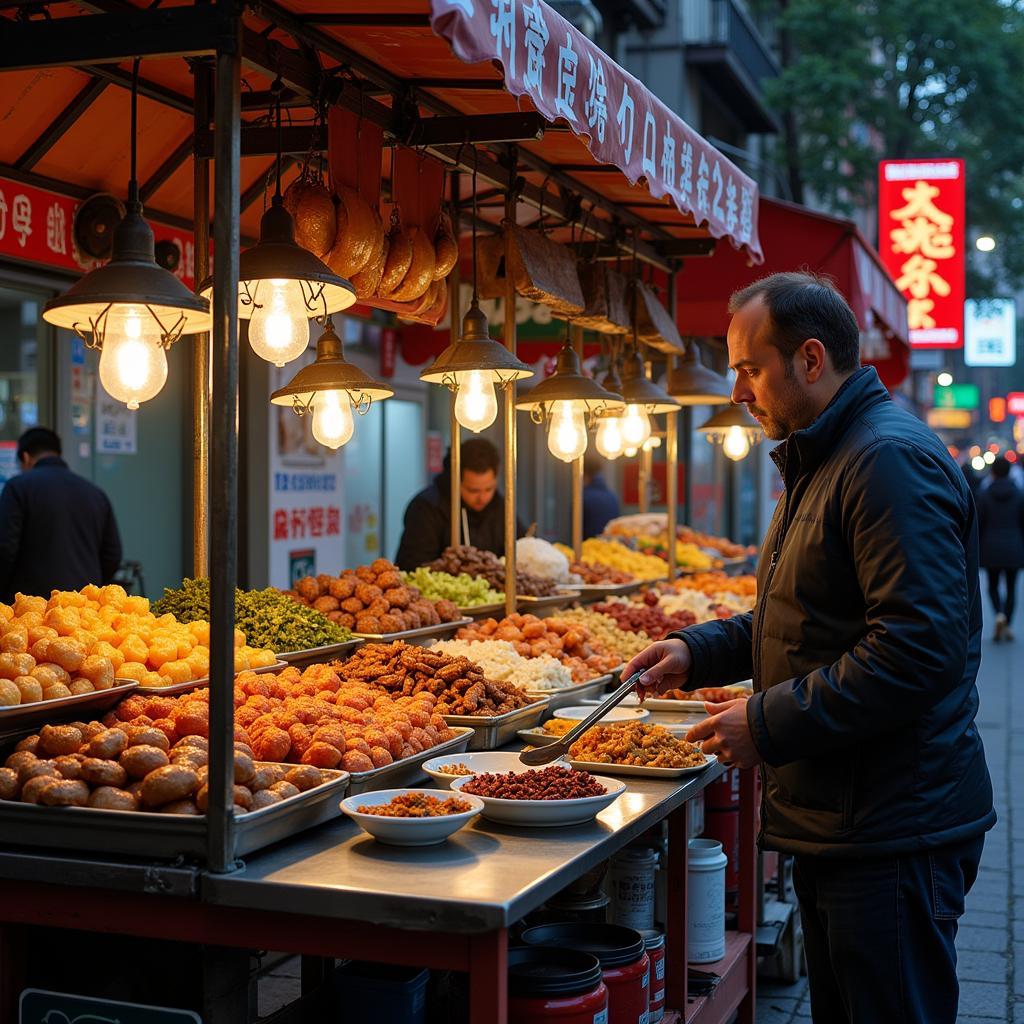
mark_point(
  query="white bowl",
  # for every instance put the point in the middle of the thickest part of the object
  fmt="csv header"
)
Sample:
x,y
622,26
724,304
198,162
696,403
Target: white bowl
x,y
408,831
618,714
478,762
547,813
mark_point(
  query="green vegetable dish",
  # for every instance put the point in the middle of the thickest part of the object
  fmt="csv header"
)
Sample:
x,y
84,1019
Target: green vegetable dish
x,y
463,590
268,618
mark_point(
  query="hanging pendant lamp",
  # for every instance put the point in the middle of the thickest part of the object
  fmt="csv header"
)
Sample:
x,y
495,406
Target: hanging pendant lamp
x,y
734,429
471,366
643,399
281,285
609,440
131,309
690,382
329,389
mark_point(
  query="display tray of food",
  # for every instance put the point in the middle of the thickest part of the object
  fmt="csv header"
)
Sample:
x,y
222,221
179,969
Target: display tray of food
x,y
483,611
172,689
544,797
412,817
690,700
128,791
422,633
409,769
637,748
492,731
596,591
320,655
19,717
569,695
562,599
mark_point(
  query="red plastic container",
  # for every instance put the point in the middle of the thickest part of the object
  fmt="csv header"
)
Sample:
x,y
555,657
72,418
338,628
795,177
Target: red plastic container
x,y
654,943
561,986
624,963
722,822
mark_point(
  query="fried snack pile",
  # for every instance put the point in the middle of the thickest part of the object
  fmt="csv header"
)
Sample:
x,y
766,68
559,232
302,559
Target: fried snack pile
x,y
309,717
79,641
712,694
135,767
634,743
560,726
569,643
417,805
553,783
457,684
486,565
372,599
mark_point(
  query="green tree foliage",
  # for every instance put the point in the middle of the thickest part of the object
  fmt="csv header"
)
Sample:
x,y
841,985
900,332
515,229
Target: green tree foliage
x,y
865,80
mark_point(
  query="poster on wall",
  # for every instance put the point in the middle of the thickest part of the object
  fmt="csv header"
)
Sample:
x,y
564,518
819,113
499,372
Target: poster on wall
x,y
307,528
116,426
990,332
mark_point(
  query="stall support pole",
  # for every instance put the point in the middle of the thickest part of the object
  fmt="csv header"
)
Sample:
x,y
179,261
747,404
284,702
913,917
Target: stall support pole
x,y
687,456
224,445
510,409
646,457
201,343
455,448
672,453
576,333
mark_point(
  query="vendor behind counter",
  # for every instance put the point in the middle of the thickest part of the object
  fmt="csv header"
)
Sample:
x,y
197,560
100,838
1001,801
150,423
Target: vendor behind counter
x,y
427,520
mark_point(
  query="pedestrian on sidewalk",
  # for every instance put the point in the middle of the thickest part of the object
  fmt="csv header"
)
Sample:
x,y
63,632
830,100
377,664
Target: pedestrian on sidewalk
x,y
863,647
1001,536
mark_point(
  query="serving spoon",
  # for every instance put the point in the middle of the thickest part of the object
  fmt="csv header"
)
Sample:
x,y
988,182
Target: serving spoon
x,y
553,751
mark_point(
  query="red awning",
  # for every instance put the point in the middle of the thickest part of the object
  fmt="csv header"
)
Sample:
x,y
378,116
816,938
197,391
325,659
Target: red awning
x,y
796,238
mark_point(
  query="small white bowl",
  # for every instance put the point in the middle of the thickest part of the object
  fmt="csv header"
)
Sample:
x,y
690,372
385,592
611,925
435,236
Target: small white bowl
x,y
408,831
478,763
547,813
619,714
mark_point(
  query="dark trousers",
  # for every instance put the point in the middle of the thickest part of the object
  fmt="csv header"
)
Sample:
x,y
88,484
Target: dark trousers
x,y
1001,604
879,932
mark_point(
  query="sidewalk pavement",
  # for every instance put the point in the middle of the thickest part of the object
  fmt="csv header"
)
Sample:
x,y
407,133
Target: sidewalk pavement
x,y
990,943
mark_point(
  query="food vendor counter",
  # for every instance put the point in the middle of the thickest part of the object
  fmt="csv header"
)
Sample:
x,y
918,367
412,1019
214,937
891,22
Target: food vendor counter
x,y
335,892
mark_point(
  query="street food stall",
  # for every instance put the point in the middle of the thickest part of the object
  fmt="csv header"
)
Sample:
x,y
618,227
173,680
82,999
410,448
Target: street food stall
x,y
393,145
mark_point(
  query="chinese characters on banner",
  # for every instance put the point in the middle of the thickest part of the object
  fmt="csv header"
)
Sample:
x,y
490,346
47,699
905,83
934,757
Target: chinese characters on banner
x,y
35,226
921,242
566,76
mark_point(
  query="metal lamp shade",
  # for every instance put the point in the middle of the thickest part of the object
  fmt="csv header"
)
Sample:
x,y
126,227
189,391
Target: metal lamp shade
x,y
476,350
568,384
277,256
331,371
132,277
732,416
690,382
637,389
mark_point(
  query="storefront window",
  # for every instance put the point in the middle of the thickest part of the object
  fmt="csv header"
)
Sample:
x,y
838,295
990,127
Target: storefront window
x,y
20,331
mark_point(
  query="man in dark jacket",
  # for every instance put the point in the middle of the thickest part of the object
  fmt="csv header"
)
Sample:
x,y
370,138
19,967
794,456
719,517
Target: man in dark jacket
x,y
600,505
57,530
863,647
1001,531
428,516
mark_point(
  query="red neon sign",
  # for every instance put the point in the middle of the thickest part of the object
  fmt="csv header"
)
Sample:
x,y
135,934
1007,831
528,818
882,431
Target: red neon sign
x,y
921,242
1015,403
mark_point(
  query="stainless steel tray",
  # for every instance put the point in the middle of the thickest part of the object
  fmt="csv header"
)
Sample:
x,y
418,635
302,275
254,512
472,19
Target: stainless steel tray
x,y
320,655
485,611
165,836
412,635
491,733
554,601
572,694
409,769
589,592
43,712
175,688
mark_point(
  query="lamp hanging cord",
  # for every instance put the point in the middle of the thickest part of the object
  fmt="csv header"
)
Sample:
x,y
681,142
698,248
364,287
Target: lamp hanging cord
x,y
276,89
133,182
475,161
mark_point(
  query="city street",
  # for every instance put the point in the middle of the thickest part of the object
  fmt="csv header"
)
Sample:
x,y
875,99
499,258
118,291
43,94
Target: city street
x,y
991,938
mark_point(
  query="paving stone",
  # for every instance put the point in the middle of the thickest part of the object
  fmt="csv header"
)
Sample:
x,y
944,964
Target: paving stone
x,y
983,999
974,965
983,918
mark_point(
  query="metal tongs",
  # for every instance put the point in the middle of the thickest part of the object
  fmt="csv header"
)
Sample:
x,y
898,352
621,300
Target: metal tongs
x,y
553,751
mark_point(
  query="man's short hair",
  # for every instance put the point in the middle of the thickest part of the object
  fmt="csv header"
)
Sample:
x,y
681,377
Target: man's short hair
x,y
1001,467
803,305
36,440
477,455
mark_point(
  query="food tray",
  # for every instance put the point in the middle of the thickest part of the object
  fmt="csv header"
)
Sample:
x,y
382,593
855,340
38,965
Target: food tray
x,y
641,770
589,592
195,684
491,733
552,602
408,769
571,694
484,611
669,704
165,836
411,635
320,655
43,712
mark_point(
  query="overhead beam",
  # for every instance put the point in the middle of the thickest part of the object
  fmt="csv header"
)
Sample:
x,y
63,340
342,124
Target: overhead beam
x,y
262,140
56,129
166,170
479,129
110,38
678,248
151,90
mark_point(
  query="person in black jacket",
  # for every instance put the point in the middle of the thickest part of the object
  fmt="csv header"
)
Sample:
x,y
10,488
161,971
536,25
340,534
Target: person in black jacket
x,y
1001,532
864,648
57,530
428,516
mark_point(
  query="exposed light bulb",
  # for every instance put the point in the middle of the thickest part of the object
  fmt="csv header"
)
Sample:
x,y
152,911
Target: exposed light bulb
x,y
567,435
133,363
609,439
736,444
332,418
476,406
651,443
279,327
636,426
